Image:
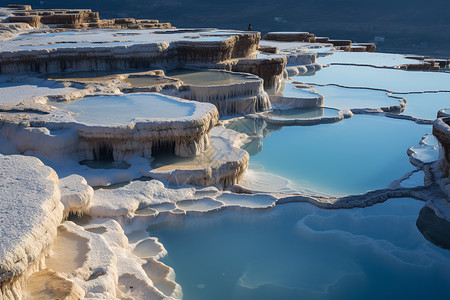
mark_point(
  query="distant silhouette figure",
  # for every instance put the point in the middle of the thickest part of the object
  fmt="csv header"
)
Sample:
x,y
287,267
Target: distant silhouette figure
x,y
250,27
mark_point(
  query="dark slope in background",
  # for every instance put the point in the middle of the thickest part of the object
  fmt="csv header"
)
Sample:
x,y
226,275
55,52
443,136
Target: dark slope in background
x,y
414,26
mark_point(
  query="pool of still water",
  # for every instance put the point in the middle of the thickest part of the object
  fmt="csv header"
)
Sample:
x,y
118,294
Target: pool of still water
x,y
298,251
388,79
120,110
365,152
209,77
367,58
303,113
344,98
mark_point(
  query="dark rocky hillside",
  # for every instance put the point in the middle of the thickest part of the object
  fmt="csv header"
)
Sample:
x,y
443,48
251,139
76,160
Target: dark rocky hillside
x,y
414,26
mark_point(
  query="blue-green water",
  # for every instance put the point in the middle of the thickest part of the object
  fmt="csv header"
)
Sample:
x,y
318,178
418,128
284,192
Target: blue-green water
x,y
297,251
353,156
119,110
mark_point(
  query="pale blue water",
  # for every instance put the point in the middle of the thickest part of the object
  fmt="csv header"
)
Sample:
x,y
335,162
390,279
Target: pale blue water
x,y
344,98
120,110
390,79
367,58
353,156
297,251
303,113
425,106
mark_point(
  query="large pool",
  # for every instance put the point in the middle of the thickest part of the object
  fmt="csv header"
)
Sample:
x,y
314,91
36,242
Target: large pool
x,y
124,109
297,251
365,152
389,79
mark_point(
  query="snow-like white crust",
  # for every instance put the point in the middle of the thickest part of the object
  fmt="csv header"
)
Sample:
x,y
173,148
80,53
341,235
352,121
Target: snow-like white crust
x,y
30,212
76,194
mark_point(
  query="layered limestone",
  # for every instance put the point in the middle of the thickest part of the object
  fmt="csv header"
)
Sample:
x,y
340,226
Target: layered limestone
x,y
116,50
59,134
30,213
222,164
244,96
75,18
76,194
270,68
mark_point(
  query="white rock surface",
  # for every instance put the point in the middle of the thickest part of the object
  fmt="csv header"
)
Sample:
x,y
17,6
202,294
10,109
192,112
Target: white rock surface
x,y
126,200
30,212
76,194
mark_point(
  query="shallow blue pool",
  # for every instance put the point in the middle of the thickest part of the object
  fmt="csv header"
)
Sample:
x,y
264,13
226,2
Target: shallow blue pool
x,y
119,110
389,79
297,251
365,152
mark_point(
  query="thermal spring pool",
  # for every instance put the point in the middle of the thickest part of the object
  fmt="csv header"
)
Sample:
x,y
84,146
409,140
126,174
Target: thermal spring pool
x,y
365,152
298,251
118,110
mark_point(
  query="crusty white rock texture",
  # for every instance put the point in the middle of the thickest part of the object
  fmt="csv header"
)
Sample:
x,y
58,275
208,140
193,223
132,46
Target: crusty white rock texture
x,y
30,212
76,194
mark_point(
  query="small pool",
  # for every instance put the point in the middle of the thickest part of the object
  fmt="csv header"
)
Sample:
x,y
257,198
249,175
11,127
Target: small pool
x,y
297,251
303,113
205,38
344,98
99,164
292,91
367,58
389,79
86,76
124,109
47,35
147,80
209,77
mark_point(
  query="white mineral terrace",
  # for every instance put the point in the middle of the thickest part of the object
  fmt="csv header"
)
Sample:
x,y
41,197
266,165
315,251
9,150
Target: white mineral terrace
x,y
123,150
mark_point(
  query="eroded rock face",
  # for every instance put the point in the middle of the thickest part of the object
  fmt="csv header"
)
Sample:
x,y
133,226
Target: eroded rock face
x,y
170,54
76,18
30,212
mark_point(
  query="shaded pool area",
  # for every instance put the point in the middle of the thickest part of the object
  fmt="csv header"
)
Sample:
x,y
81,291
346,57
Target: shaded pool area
x,y
121,110
297,251
209,77
353,156
389,79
